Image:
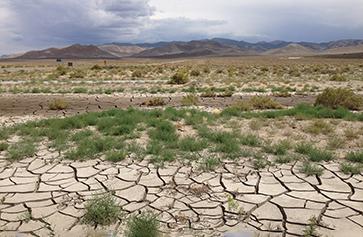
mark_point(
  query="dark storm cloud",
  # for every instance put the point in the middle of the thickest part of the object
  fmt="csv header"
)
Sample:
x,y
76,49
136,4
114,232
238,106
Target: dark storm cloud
x,y
44,23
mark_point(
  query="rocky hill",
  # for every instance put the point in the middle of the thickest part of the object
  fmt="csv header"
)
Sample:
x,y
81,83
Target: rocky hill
x,y
196,49
292,50
121,51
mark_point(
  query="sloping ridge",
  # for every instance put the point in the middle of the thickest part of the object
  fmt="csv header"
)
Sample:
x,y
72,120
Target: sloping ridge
x,y
195,49
345,50
121,51
292,50
74,51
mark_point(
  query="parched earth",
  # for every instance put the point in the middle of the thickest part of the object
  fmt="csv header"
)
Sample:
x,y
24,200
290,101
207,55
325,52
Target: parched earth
x,y
45,196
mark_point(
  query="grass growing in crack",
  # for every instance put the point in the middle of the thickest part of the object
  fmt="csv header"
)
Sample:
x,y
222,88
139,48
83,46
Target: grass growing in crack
x,y
348,168
278,149
145,224
101,210
4,146
136,150
260,161
115,155
284,159
311,169
335,143
193,144
250,140
209,163
310,230
355,156
24,148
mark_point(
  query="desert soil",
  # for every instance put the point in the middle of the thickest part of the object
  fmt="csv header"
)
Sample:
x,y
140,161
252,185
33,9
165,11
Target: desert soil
x,y
276,201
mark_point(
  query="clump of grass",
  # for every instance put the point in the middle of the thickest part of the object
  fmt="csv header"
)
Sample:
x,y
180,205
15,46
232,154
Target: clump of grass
x,y
4,146
336,143
115,155
250,140
255,124
241,106
193,144
283,93
348,168
264,102
227,93
178,78
283,159
355,156
24,148
58,105
144,224
101,210
208,93
189,100
260,161
156,102
350,134
338,78
319,126
278,149
209,163
334,98
310,230
314,154
311,169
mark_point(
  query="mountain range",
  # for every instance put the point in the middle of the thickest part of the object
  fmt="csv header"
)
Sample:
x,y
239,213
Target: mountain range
x,y
216,47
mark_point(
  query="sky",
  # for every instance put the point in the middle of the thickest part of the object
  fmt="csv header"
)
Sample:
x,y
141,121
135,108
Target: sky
x,y
39,24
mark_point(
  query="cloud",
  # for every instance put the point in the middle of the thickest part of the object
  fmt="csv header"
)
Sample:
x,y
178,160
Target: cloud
x,y
53,23
39,24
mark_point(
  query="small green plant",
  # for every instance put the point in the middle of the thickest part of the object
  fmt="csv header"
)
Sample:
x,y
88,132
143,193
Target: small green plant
x,y
4,146
101,210
250,140
190,100
144,224
209,163
58,105
310,230
319,126
355,156
115,155
233,205
26,217
24,148
311,169
336,143
334,98
348,168
156,102
260,161
283,93
137,73
178,78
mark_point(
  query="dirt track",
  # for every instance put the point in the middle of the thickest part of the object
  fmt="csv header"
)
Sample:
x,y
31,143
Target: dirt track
x,y
37,104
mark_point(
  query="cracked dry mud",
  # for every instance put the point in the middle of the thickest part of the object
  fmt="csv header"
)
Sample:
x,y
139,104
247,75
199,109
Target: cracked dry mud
x,y
45,196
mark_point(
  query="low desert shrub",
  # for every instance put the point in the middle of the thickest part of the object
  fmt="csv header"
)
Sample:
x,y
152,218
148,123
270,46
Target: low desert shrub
x,y
241,106
338,78
58,105
319,126
311,169
178,78
355,156
226,93
156,102
334,98
264,102
195,73
190,100
348,168
101,210
144,224
208,93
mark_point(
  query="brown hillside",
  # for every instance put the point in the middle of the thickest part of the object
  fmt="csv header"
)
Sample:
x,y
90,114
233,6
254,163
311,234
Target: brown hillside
x,y
292,50
74,51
